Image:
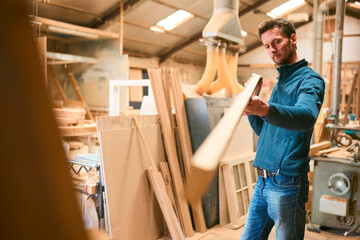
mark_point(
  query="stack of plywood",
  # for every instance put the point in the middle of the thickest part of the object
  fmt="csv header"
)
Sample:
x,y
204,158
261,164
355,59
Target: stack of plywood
x,y
131,209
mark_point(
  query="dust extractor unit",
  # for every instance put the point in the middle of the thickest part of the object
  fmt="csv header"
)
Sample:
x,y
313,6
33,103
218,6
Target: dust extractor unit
x,y
223,39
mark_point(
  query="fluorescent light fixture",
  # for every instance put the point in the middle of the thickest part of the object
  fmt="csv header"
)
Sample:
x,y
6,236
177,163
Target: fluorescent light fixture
x,y
243,33
157,29
271,15
174,20
285,8
72,32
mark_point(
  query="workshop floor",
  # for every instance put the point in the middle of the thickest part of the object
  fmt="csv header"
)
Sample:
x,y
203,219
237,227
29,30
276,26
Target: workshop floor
x,y
226,233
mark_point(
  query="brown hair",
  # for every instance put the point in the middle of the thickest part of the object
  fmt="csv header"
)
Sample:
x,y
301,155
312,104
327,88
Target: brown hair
x,y
286,27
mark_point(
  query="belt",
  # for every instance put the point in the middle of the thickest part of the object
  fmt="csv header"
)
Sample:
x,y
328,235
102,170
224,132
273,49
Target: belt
x,y
264,173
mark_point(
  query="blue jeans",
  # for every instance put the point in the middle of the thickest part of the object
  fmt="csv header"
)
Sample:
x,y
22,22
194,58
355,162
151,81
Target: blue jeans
x,y
278,200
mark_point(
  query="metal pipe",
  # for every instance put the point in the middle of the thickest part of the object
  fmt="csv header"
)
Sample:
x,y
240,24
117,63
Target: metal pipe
x,y
315,28
339,32
319,32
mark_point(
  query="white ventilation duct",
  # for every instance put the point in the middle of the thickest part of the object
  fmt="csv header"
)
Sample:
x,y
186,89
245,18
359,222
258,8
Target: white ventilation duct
x,y
224,24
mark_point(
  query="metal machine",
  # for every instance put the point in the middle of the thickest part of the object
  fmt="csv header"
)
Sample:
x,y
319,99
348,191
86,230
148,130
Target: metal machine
x,y
336,192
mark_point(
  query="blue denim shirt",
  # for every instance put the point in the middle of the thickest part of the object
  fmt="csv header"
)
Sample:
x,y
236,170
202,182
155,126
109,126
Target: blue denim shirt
x,y
284,135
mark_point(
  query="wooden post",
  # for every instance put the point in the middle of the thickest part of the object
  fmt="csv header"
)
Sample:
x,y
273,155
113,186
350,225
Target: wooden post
x,y
349,101
206,159
79,94
57,83
358,98
121,33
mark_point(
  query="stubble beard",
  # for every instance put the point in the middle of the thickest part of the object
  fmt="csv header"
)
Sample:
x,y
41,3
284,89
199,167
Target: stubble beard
x,y
287,59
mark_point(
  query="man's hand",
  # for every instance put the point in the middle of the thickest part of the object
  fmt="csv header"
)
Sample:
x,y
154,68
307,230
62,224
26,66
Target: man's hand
x,y
256,106
258,87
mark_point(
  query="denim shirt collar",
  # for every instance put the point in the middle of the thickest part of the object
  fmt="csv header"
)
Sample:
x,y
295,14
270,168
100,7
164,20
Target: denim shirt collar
x,y
290,68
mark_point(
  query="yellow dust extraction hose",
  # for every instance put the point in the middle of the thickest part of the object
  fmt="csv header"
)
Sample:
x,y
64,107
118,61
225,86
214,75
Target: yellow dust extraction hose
x,y
210,69
232,62
223,73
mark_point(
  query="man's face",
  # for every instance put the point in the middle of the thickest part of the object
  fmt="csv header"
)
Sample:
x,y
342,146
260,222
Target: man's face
x,y
279,47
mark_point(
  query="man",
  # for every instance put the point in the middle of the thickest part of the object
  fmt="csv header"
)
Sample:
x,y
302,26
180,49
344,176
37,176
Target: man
x,y
284,125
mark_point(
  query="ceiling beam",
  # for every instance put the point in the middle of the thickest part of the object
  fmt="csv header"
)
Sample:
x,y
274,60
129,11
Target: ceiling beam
x,y
113,13
163,56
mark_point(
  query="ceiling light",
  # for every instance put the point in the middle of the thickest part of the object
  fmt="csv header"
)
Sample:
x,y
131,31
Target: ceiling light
x,y
357,3
72,32
285,8
243,33
157,29
174,20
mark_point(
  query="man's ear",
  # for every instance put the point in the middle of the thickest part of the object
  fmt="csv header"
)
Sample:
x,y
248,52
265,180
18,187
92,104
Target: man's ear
x,y
293,38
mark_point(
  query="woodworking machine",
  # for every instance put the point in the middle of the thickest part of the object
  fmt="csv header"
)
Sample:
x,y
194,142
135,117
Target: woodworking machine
x,y
336,193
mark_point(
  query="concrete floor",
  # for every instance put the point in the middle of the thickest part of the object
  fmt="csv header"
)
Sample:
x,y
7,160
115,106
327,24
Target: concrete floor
x,y
226,233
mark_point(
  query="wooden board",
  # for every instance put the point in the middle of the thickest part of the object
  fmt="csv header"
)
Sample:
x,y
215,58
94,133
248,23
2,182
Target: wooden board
x,y
170,147
181,120
350,99
314,148
132,208
76,113
158,187
72,131
37,195
206,159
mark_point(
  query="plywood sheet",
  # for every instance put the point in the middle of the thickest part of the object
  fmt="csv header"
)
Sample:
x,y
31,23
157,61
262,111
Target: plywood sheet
x,y
132,206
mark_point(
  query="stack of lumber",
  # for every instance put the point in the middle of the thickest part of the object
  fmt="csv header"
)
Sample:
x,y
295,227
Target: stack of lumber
x,y
166,85
72,122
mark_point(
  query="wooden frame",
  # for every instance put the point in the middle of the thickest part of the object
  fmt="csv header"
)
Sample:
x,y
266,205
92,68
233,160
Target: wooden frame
x,y
239,178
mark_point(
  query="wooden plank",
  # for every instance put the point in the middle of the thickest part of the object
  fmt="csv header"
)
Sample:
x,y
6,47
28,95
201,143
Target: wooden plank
x,y
66,121
169,142
314,148
75,29
121,30
72,131
166,89
326,151
323,129
62,58
182,124
358,96
76,113
38,197
207,157
350,99
57,83
79,94
159,188
165,172
42,48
